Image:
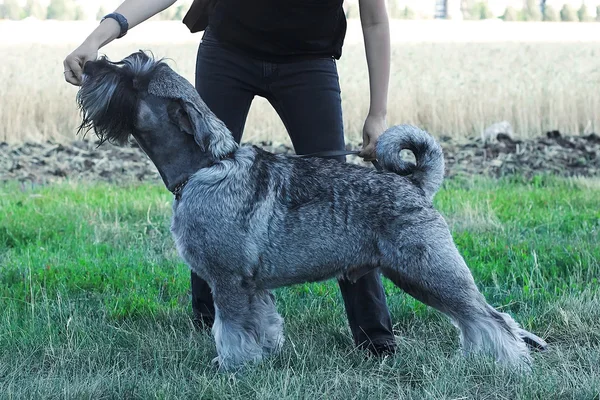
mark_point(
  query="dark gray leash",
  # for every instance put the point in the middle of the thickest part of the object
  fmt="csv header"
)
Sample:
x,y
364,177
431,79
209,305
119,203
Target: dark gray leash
x,y
338,153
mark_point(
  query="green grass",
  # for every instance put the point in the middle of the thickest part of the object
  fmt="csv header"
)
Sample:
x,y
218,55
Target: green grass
x,y
94,302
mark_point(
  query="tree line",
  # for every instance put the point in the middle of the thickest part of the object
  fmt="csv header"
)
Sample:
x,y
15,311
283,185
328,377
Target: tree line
x,y
478,10
68,10
533,12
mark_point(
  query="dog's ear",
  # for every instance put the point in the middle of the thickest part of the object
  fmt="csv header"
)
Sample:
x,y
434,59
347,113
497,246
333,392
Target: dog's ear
x,y
190,113
189,120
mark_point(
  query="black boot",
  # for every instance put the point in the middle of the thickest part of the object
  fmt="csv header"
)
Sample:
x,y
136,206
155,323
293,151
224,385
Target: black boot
x,y
202,303
368,315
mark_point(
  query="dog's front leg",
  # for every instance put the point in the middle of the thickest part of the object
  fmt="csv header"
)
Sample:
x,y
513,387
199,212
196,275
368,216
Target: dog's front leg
x,y
247,326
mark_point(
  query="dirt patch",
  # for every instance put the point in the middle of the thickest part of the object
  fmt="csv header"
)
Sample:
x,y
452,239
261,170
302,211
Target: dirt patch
x,y
83,160
554,154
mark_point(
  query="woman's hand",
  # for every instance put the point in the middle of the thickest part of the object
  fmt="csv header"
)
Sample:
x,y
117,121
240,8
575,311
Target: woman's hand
x,y
374,126
376,32
73,64
135,11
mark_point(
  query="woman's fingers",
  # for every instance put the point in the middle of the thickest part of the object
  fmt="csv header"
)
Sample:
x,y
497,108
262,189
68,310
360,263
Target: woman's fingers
x,y
73,64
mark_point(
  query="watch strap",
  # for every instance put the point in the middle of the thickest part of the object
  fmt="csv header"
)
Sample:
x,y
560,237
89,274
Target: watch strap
x,y
121,20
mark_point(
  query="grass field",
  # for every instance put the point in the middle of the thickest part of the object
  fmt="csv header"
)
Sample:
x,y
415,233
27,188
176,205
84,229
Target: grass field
x,y
449,78
94,302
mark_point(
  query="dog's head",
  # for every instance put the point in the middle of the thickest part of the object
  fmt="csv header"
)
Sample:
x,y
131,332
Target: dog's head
x,y
142,97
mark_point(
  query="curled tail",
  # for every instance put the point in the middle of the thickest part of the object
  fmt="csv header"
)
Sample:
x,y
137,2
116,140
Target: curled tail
x,y
428,172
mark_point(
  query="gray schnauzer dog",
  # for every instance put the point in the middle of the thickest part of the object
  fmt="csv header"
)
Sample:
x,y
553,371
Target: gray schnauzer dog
x,y
245,220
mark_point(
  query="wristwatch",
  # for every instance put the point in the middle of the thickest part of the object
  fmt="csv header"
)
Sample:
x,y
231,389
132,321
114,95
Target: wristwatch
x,y
121,20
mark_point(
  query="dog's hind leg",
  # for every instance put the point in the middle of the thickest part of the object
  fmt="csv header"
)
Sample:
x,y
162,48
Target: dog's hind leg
x,y
247,325
437,275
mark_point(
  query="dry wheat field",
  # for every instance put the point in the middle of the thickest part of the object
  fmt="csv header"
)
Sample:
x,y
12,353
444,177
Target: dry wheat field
x,y
450,78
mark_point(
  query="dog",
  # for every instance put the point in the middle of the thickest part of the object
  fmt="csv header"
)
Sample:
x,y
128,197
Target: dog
x,y
248,221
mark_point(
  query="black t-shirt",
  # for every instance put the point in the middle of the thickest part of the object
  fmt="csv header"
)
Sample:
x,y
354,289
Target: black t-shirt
x,y
281,30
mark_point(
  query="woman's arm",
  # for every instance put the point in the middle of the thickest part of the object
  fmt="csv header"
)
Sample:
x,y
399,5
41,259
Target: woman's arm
x,y
376,33
136,12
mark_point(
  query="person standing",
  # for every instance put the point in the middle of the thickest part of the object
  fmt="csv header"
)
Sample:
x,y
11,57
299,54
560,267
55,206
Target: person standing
x,y
286,52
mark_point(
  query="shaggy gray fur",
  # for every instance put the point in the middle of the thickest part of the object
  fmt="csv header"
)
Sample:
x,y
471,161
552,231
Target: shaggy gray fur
x,y
168,84
249,221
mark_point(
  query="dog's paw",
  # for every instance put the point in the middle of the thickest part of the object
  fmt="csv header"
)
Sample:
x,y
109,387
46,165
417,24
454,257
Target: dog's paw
x,y
533,341
215,362
273,346
227,367
218,364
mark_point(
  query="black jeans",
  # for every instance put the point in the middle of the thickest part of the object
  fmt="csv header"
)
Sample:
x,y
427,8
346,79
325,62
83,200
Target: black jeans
x,y
306,96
